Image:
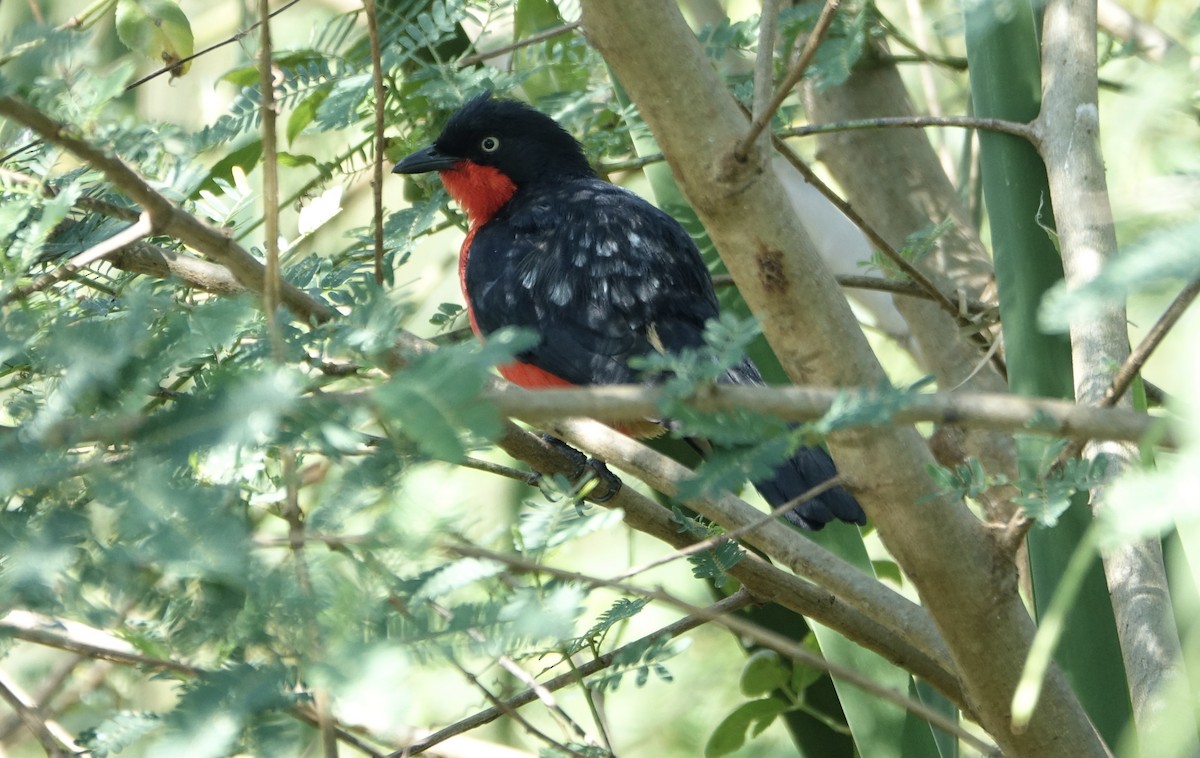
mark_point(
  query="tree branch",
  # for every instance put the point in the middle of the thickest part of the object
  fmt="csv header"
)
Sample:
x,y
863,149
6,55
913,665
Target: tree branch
x,y
164,214
599,663
1069,123
1134,362
371,9
996,411
749,630
973,599
763,117
532,39
124,238
53,738
1024,131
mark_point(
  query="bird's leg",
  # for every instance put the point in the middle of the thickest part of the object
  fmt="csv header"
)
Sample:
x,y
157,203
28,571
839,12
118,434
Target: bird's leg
x,y
609,483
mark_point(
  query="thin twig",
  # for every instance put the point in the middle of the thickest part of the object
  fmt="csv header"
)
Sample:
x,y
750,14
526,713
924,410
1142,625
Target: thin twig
x,y
84,640
525,477
53,738
143,227
762,119
270,181
471,60
735,602
975,308
1015,128
720,539
399,604
1137,359
235,37
764,61
739,626
380,111
911,271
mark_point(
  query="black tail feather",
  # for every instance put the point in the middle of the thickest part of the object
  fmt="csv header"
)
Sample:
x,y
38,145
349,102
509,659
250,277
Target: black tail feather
x,y
809,467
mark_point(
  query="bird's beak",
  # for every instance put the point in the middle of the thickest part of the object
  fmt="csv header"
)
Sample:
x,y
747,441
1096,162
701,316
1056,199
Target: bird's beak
x,y
425,160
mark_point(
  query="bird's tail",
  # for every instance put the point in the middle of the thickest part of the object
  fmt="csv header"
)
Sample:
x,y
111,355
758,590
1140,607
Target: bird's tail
x,y
807,468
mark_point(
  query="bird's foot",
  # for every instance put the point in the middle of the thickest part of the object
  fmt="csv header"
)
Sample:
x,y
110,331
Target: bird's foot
x,y
607,484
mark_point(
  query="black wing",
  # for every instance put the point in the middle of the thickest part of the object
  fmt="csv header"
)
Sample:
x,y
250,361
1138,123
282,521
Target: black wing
x,y
598,273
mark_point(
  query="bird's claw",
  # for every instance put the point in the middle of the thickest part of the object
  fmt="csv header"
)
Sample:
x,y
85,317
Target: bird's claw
x,y
607,483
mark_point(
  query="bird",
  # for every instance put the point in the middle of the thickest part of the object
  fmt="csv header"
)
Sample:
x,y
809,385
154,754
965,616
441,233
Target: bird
x,y
597,273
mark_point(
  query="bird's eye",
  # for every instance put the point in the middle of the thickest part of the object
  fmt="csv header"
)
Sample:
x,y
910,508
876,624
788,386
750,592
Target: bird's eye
x,y
490,144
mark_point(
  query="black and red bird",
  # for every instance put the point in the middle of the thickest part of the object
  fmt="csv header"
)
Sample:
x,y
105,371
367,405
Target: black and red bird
x,y
596,272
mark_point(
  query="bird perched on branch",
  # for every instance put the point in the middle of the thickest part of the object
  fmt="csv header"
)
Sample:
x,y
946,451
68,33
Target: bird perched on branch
x,y
597,273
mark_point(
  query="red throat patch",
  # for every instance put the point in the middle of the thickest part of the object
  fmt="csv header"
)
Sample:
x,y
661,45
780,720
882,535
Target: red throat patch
x,y
480,190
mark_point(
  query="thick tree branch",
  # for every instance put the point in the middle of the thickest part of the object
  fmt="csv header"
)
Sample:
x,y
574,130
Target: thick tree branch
x,y
144,258
965,579
1070,124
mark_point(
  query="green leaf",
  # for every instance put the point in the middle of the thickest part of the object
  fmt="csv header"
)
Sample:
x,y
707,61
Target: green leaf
x,y
888,570
554,66
715,563
545,525
763,673
245,158
752,717
643,659
544,614
304,113
729,469
157,29
622,609
119,732
1169,255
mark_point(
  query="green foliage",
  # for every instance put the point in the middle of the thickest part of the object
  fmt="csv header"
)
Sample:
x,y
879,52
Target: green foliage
x,y
1045,487
622,609
916,246
642,660
267,517
775,687
157,29
436,396
1166,256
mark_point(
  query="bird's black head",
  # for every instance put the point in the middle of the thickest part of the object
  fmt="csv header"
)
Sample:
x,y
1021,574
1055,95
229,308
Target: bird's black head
x,y
523,144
